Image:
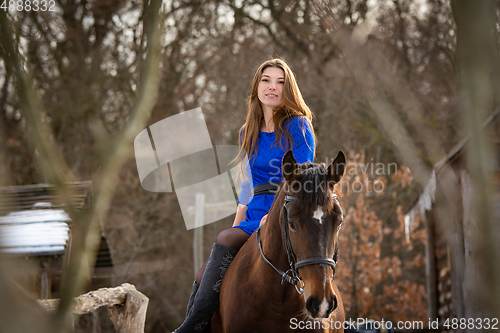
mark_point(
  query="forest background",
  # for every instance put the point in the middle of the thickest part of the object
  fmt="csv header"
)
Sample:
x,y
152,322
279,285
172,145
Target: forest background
x,y
381,78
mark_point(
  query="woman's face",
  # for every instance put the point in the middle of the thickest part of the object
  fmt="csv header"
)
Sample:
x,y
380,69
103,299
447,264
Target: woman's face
x,y
270,89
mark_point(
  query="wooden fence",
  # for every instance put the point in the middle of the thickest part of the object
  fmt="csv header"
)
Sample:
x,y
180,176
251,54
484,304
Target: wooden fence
x,y
127,307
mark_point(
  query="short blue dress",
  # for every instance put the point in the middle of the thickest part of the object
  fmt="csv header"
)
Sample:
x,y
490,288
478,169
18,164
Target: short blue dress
x,y
265,167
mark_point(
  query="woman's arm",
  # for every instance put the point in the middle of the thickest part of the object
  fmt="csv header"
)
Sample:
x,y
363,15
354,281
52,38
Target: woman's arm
x,y
240,215
303,139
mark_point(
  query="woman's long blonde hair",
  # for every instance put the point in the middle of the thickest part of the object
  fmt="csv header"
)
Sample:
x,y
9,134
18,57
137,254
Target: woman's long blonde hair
x,y
293,106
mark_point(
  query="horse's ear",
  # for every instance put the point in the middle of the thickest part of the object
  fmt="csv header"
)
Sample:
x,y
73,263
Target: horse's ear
x,y
337,168
289,166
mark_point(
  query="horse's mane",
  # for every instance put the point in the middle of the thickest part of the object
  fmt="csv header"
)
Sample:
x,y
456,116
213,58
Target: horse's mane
x,y
314,192
315,187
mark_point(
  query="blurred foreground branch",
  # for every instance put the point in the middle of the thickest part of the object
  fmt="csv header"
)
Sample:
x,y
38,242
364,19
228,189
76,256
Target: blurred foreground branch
x,y
51,162
361,60
478,67
86,233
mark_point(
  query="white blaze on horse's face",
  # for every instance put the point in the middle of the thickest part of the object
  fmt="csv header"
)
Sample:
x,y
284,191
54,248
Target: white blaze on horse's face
x,y
318,214
323,307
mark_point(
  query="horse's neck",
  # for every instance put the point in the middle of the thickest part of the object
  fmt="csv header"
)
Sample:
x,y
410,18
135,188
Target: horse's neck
x,y
274,250
272,240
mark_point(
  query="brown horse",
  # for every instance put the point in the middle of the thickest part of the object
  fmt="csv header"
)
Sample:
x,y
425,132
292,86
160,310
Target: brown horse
x,y
300,237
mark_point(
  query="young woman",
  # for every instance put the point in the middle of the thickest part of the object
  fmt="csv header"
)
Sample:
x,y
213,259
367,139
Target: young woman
x,y
278,119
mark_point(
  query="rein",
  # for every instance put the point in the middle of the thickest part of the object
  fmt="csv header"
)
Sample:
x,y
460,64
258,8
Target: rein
x,y
292,275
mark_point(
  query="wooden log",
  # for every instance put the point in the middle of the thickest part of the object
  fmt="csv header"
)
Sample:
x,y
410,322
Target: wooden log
x,y
127,307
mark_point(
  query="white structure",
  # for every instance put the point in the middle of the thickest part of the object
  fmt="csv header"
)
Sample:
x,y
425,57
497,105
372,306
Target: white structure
x,y
37,231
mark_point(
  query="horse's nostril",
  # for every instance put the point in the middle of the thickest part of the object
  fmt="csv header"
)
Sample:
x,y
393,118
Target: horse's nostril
x,y
333,304
312,305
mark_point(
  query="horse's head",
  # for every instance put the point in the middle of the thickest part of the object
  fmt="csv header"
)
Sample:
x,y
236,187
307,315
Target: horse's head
x,y
312,219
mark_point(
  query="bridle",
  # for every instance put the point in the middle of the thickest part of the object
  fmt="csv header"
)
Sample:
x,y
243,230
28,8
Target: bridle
x,y
292,275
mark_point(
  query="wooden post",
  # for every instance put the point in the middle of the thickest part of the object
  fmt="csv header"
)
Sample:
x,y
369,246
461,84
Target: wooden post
x,y
131,317
198,232
45,285
430,267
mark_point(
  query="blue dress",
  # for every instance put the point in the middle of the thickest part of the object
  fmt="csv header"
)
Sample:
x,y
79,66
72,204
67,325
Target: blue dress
x,y
265,167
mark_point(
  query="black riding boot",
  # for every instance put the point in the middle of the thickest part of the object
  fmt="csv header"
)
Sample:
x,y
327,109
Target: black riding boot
x,y
207,298
191,298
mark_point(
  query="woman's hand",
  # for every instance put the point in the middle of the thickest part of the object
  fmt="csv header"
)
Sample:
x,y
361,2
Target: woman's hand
x,y
263,220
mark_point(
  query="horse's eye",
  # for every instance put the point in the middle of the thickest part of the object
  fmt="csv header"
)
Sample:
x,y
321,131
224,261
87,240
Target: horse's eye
x,y
340,224
293,225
